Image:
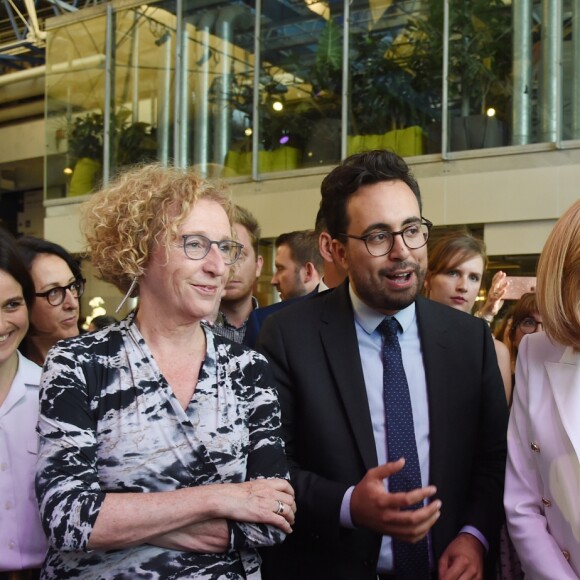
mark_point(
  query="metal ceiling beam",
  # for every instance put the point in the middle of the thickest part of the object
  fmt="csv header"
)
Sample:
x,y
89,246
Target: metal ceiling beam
x,y
22,34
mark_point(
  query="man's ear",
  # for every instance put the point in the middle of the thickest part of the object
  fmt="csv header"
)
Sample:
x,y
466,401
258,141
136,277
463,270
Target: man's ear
x,y
339,251
310,272
324,246
259,265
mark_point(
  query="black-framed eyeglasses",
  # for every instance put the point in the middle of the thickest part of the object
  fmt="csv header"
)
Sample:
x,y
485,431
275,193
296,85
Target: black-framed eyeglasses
x,y
530,325
197,247
55,296
381,242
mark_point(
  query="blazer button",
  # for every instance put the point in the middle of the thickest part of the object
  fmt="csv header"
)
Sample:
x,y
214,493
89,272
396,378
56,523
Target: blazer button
x,y
535,447
566,554
546,502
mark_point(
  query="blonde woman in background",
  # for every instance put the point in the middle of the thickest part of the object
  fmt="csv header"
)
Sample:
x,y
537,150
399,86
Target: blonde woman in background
x,y
542,489
454,276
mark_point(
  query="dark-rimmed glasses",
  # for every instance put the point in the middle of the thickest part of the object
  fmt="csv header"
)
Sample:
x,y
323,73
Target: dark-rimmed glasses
x,y
381,242
197,247
55,296
530,325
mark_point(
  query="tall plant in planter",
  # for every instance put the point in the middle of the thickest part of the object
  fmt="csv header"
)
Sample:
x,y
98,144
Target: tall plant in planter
x,y
132,143
382,98
480,56
85,144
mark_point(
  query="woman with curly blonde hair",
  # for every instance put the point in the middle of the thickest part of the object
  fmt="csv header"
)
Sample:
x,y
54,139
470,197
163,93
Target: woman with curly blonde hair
x,y
161,455
543,470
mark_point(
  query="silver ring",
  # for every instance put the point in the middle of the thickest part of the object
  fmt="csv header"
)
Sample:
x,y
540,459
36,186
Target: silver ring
x,y
280,509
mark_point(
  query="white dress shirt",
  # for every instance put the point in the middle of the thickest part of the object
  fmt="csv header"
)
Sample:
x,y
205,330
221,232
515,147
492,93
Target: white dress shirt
x,y
22,540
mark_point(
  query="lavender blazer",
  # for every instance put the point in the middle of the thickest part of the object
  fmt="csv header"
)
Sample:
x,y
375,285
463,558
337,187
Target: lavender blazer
x,y
542,489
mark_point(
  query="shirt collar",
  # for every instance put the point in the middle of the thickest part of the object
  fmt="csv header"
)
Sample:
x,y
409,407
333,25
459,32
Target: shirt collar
x,y
24,377
223,319
369,318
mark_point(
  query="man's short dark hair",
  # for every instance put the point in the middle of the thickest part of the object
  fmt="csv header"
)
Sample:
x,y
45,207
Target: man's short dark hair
x,y
355,171
303,246
246,219
320,223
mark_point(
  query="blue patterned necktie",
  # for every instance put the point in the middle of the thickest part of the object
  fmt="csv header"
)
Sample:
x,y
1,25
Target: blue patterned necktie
x,y
411,560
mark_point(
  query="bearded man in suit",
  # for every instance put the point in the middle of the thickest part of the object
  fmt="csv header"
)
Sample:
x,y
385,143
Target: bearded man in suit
x,y
328,356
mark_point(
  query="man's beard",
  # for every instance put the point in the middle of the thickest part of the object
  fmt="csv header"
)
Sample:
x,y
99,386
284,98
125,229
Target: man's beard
x,y
393,301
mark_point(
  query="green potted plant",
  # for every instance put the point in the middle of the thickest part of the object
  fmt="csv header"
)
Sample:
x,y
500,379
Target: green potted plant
x,y
385,109
480,62
132,143
85,144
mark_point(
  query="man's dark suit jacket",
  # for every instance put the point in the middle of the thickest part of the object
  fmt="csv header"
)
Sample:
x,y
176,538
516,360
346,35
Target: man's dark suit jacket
x,y
258,315
314,354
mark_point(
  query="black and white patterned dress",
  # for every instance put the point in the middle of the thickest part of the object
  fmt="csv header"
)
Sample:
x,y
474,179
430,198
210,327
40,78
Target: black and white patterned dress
x,y
110,423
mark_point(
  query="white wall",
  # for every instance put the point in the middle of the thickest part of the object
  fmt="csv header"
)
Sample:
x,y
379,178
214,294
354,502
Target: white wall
x,y
22,141
517,197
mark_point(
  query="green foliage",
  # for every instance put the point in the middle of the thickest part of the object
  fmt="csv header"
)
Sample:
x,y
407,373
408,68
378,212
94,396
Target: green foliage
x,y
382,97
132,142
327,71
381,93
86,136
479,52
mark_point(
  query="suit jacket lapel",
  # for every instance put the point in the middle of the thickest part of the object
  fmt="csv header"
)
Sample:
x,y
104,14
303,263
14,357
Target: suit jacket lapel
x,y
564,378
432,330
340,344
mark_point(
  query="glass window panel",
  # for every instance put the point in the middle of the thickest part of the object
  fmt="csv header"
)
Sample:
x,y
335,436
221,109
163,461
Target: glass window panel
x,y
75,88
144,80
480,73
394,83
570,70
224,71
300,84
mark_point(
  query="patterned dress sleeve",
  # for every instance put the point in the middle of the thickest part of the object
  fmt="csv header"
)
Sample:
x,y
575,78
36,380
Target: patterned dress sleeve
x,y
67,487
266,458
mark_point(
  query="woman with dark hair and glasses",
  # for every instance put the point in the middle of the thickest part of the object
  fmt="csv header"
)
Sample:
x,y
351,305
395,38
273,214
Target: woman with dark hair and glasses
x,y
525,319
161,454
22,540
58,284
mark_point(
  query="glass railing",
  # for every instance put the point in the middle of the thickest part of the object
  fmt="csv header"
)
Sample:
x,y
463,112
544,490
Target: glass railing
x,y
241,90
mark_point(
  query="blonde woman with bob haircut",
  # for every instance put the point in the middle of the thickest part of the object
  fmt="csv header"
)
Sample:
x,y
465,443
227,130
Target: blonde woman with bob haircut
x,y
542,497
161,454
